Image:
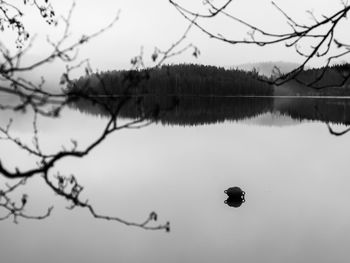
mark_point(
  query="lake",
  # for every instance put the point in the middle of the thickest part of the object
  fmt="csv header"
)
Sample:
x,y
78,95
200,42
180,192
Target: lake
x,y
295,173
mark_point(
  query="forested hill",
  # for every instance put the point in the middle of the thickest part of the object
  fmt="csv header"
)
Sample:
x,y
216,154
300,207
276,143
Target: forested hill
x,y
268,68
183,79
333,81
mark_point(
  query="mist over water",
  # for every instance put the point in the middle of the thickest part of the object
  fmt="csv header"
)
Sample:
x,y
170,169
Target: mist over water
x,y
278,151
174,131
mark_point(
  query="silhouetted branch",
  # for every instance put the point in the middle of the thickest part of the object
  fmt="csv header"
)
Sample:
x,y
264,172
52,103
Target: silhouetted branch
x,y
336,133
171,52
321,31
70,189
34,97
330,129
17,209
11,17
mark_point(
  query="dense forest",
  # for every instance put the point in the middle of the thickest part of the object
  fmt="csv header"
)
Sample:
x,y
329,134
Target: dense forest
x,y
201,80
333,81
190,94
183,80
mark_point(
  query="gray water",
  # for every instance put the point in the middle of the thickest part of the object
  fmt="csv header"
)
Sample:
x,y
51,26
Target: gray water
x,y
296,176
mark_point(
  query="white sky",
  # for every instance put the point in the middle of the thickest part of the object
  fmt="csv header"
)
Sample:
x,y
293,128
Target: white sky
x,y
156,23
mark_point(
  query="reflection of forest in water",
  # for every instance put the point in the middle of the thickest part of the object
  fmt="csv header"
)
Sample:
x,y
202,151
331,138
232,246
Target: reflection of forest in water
x,y
194,110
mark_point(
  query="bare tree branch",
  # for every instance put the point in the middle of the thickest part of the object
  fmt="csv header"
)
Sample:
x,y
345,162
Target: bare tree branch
x,y
322,33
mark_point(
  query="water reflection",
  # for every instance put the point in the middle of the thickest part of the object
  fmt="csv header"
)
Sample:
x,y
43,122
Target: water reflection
x,y
236,196
233,202
190,110
289,169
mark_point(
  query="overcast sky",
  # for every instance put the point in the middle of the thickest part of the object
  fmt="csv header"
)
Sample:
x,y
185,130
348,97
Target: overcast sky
x,y
156,23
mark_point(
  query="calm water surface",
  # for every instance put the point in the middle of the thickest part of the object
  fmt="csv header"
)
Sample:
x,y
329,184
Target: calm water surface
x,y
296,176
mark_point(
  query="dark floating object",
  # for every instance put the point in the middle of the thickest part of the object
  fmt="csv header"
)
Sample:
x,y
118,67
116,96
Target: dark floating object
x,y
235,196
235,192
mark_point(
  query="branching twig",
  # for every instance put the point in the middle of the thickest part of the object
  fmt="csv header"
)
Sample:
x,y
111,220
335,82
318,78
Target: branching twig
x,y
321,32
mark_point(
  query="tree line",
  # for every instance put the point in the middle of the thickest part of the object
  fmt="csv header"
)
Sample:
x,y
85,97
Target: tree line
x,y
326,81
182,79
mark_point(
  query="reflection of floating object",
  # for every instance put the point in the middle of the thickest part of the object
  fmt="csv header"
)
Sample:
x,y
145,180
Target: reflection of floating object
x,y
233,202
235,196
